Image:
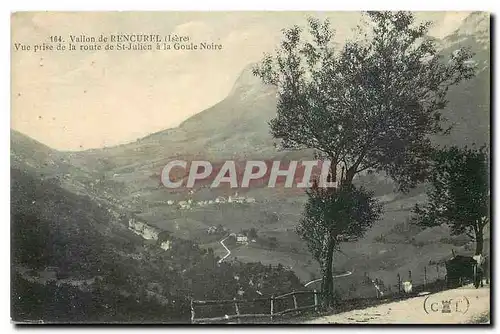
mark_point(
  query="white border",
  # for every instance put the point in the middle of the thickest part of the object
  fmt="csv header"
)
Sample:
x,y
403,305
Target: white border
x,y
352,5
143,5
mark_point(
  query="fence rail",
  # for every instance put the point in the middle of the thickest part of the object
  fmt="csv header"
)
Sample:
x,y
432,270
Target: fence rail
x,y
428,280
237,302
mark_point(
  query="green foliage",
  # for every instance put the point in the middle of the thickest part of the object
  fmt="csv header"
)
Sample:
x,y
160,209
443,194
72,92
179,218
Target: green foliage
x,y
31,240
137,280
250,233
369,105
164,236
65,303
459,193
380,239
40,238
332,214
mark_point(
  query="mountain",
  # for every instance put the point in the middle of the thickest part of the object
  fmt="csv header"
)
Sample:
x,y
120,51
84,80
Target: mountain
x,y
237,126
33,154
469,106
75,257
66,253
474,30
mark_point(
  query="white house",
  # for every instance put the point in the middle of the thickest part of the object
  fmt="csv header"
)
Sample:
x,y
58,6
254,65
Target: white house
x,y
241,239
407,286
165,245
239,199
220,199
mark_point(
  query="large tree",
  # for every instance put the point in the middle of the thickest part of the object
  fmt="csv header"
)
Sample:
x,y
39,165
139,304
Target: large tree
x,y
331,215
459,193
370,104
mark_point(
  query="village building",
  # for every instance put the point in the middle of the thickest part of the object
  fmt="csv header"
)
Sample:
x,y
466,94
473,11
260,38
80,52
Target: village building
x,y
165,245
212,230
241,239
143,229
220,199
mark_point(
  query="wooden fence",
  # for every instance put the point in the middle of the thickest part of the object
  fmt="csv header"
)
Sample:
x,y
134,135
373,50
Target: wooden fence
x,y
274,303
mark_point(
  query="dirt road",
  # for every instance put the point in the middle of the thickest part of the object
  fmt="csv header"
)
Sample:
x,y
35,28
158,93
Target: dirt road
x,y
467,304
347,273
227,250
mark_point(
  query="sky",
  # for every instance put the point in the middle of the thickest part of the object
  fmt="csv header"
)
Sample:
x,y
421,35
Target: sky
x,y
89,99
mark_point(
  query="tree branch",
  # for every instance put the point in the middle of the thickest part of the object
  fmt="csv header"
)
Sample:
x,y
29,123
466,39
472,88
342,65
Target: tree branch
x,y
367,167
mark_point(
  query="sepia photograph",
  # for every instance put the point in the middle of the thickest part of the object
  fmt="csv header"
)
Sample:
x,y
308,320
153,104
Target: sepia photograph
x,y
250,167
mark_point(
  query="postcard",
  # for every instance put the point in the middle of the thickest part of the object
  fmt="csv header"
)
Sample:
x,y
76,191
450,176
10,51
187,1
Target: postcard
x,y
250,167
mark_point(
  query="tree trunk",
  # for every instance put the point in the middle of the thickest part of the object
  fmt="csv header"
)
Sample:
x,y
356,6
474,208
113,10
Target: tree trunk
x,y
327,283
349,176
479,241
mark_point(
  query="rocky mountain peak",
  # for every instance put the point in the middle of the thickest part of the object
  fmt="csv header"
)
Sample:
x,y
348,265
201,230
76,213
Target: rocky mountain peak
x,y
247,83
476,27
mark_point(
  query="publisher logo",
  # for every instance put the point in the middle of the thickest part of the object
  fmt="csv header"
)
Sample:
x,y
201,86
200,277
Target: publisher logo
x,y
433,305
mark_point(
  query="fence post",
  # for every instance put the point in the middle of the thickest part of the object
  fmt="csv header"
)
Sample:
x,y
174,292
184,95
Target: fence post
x,y
192,311
399,283
437,269
237,309
272,307
315,300
425,277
